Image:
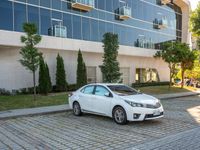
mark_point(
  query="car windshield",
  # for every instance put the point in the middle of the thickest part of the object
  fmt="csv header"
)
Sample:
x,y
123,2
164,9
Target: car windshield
x,y
122,90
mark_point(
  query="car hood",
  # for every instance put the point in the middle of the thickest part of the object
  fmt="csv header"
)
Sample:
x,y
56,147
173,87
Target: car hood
x,y
141,98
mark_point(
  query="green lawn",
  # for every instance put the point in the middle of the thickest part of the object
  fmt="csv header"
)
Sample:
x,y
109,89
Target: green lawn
x,y
26,101
164,89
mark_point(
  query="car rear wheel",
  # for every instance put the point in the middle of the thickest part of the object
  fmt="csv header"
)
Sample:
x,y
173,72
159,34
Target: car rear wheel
x,y
119,115
77,109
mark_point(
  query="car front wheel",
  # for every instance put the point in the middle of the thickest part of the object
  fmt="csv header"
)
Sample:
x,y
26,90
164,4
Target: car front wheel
x,y
119,115
77,109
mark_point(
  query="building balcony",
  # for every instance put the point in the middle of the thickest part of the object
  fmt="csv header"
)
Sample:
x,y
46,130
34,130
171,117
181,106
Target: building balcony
x,y
85,5
58,31
163,2
160,24
124,13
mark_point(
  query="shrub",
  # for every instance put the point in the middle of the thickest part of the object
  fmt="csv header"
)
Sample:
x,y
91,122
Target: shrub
x,y
72,87
4,92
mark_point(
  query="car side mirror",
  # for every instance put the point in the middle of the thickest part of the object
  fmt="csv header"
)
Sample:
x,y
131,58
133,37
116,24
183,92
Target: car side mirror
x,y
107,95
139,91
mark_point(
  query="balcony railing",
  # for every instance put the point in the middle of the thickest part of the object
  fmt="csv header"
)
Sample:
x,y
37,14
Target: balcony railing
x,y
124,13
58,31
85,5
160,24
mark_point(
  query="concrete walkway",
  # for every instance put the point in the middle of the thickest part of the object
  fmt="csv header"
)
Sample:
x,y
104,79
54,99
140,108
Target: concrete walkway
x,y
62,108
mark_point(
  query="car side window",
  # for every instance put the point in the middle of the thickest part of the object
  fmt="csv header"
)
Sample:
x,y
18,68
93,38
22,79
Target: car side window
x,y
88,90
101,91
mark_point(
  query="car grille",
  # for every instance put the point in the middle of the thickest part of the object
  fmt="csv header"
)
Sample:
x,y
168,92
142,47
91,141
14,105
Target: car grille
x,y
153,106
153,116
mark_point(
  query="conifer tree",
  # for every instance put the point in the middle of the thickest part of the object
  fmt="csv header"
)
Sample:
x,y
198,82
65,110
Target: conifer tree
x,y
110,68
81,75
30,55
43,80
48,78
61,84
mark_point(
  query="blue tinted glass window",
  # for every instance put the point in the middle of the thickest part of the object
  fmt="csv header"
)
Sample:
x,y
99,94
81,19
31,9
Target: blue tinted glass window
x,y
102,30
56,15
19,17
6,21
45,3
67,21
101,91
102,4
109,27
102,15
21,0
109,5
33,15
94,30
35,2
76,27
117,30
86,28
88,90
56,4
115,5
66,6
45,18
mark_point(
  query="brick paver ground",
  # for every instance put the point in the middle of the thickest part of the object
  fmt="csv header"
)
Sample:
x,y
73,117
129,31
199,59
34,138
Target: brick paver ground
x,y
179,129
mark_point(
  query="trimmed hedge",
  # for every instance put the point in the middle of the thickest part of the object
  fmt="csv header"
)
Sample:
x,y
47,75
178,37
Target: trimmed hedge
x,y
135,85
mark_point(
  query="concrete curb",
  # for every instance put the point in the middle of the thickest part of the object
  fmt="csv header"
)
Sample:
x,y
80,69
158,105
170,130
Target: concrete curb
x,y
176,95
12,114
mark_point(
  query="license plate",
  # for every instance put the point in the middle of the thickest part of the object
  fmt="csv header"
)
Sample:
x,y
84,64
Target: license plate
x,y
156,113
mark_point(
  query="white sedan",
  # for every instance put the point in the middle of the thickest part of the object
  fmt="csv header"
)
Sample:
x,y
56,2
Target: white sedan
x,y
117,101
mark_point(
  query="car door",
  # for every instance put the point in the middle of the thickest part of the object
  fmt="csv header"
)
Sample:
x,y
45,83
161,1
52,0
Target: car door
x,y
102,100
85,98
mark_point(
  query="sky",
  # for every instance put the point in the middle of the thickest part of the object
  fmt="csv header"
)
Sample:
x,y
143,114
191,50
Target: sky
x,y
194,3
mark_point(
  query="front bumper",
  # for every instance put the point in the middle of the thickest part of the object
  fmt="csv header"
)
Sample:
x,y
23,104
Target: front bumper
x,y
140,114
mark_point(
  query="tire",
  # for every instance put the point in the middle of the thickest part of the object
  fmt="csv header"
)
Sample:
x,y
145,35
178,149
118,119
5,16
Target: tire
x,y
119,115
77,109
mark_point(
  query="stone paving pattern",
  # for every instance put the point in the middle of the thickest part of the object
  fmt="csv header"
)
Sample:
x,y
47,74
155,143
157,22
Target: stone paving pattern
x,y
179,129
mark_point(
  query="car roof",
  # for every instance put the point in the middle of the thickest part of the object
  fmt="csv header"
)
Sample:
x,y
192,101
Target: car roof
x,y
106,84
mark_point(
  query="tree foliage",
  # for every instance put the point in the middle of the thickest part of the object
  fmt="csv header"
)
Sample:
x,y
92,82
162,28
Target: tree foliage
x,y
177,53
187,58
195,24
110,68
169,54
61,83
43,80
30,55
195,21
195,72
81,74
48,78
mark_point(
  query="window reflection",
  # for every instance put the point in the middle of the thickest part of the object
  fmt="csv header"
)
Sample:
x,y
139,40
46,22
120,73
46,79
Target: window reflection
x,y
93,24
146,75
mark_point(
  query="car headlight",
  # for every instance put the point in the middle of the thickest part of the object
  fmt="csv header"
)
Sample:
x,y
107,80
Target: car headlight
x,y
133,104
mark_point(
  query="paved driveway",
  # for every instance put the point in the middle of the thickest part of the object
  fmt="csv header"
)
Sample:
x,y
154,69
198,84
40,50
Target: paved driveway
x,y
179,129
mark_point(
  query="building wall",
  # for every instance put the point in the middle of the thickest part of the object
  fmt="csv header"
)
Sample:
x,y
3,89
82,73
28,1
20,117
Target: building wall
x,y
89,36
14,76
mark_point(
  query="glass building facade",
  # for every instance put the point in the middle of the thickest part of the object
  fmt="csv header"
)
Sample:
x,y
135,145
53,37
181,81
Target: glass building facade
x,y
137,29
